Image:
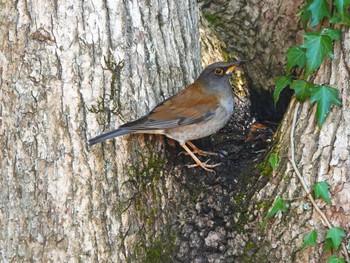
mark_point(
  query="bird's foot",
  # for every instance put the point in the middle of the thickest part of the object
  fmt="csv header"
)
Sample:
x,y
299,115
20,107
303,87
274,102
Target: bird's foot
x,y
204,153
199,151
204,165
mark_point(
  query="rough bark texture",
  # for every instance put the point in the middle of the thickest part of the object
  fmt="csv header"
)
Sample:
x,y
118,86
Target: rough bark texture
x,y
321,155
72,70
257,31
69,71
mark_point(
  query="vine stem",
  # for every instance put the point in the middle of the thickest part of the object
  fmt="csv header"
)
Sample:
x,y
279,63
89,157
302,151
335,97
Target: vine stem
x,y
302,180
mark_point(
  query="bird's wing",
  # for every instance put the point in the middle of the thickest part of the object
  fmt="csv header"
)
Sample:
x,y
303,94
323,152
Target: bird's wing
x,y
192,105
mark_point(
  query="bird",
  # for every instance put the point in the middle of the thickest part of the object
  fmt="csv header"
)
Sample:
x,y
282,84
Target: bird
x,y
199,110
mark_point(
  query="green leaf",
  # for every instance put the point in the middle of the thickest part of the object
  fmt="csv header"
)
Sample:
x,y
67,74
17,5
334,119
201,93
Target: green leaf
x,y
305,14
334,259
277,207
334,34
321,190
341,6
344,19
317,48
336,20
295,57
319,10
302,89
310,239
329,244
335,234
325,96
274,160
281,83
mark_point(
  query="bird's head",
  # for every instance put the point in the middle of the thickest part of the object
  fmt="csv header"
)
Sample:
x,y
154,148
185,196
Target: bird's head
x,y
217,74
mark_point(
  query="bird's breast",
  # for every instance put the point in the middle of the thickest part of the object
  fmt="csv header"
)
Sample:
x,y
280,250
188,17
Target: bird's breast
x,y
205,128
226,102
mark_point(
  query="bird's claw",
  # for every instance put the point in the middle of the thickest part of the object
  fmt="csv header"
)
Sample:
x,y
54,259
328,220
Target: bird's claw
x,y
204,165
198,151
205,153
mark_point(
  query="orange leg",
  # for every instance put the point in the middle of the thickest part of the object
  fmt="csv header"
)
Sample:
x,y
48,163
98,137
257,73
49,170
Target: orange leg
x,y
204,165
199,151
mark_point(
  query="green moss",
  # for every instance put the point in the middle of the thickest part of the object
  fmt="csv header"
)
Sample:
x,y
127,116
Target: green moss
x,y
263,205
211,18
249,247
145,172
100,105
224,54
240,198
159,249
146,168
265,166
194,191
254,252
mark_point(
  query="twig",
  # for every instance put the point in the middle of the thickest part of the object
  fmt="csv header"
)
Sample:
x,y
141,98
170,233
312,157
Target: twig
x,y
302,180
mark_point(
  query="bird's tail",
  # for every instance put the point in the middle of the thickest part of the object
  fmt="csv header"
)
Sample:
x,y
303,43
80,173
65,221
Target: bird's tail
x,y
108,135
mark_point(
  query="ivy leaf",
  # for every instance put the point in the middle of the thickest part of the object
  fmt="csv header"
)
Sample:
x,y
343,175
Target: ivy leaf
x,y
336,20
321,190
317,48
334,34
335,234
277,207
344,19
281,83
305,14
310,239
329,244
295,57
334,259
274,160
325,96
302,89
341,6
319,10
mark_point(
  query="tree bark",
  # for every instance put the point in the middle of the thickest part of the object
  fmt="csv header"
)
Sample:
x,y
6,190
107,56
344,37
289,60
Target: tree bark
x,y
72,70
259,32
264,34
321,154
68,72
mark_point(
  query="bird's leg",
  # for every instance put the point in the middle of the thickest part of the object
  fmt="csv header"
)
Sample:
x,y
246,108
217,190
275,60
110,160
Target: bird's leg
x,y
204,165
199,151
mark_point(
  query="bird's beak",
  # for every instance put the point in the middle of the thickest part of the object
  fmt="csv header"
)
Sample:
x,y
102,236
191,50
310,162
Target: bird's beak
x,y
234,66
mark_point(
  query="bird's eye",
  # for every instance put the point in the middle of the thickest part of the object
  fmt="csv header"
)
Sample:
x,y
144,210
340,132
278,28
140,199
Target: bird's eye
x,y
218,71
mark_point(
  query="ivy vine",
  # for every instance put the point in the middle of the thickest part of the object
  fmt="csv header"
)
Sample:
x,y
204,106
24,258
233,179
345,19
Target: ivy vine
x,y
322,21
308,57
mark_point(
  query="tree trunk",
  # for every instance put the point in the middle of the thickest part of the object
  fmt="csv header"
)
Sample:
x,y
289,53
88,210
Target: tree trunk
x,y
263,31
68,72
321,154
259,32
71,71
